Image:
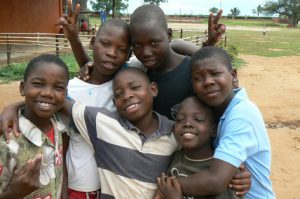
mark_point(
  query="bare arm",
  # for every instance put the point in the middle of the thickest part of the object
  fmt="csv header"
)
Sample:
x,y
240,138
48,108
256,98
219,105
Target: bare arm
x,y
69,25
208,182
184,47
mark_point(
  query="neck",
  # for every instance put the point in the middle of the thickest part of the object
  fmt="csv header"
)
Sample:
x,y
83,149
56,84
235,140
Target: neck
x,y
44,124
97,79
171,62
148,125
199,154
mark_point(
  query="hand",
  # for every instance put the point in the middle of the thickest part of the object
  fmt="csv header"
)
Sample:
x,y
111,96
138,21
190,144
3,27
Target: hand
x,y
9,121
241,182
215,30
68,22
26,179
85,71
170,187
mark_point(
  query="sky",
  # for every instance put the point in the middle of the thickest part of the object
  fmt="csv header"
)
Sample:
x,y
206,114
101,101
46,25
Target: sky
x,y
197,7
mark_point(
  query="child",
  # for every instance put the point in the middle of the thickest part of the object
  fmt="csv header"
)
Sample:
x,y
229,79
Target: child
x,y
110,51
195,129
44,88
241,134
132,146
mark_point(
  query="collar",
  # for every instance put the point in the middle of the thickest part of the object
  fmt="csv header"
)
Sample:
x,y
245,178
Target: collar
x,y
240,95
33,133
165,126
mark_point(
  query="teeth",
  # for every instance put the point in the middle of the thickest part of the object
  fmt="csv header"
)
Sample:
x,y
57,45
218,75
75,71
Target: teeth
x,y
188,135
44,104
131,106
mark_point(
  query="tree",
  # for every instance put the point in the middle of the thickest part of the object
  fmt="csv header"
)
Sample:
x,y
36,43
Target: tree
x,y
114,6
234,12
156,2
259,10
287,8
214,10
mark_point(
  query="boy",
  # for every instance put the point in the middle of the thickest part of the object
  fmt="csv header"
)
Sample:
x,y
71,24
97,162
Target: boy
x,y
195,129
128,141
44,87
110,51
241,136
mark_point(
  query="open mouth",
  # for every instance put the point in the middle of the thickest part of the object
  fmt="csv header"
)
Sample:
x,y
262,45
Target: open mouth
x,y
132,107
189,135
45,105
108,65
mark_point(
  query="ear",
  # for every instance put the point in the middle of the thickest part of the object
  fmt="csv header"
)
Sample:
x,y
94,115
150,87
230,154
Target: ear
x,y
92,42
154,89
170,34
21,88
235,81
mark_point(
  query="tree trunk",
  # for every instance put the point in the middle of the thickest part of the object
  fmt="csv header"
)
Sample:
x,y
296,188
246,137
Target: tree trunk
x,y
114,10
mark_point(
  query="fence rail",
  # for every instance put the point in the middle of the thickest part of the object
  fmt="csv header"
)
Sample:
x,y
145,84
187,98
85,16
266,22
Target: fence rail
x,y
18,47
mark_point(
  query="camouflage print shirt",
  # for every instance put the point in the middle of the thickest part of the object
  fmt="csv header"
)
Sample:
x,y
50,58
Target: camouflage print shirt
x,y
31,142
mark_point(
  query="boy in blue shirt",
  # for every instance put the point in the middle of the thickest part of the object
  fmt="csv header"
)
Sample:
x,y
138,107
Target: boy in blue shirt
x,y
241,133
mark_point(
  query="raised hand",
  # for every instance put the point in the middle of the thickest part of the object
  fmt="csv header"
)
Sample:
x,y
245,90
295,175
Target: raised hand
x,y
69,21
25,180
215,30
85,71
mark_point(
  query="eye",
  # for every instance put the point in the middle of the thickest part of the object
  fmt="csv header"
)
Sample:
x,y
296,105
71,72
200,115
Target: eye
x,y
179,118
37,84
199,118
154,43
60,88
197,78
135,87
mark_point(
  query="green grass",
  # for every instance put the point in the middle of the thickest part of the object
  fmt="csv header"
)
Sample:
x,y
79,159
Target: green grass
x,y
248,23
15,72
274,44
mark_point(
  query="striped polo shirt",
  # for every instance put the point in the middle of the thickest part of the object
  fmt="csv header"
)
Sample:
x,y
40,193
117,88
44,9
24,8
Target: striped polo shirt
x,y
127,163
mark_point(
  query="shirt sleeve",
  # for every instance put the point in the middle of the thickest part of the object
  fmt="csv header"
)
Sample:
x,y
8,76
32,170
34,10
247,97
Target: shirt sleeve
x,y
237,142
80,121
7,164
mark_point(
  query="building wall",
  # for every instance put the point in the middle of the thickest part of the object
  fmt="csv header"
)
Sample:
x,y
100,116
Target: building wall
x,y
30,16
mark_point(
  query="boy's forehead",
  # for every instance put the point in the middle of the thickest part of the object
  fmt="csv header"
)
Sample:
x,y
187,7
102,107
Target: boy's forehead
x,y
129,76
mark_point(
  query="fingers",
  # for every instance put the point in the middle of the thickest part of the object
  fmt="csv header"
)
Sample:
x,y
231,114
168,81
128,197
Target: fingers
x,y
218,17
210,21
77,9
70,9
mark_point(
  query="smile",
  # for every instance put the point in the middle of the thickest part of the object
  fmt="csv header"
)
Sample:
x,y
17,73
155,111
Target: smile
x,y
45,105
132,106
188,135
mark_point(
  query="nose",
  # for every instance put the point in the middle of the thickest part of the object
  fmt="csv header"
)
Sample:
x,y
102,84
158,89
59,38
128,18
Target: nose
x,y
147,51
127,95
112,51
208,81
187,123
47,92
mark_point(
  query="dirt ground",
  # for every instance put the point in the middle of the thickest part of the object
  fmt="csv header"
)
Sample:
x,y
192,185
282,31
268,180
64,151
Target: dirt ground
x,y
273,84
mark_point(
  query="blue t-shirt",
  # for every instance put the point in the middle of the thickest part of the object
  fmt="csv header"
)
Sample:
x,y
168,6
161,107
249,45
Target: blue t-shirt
x,y
242,138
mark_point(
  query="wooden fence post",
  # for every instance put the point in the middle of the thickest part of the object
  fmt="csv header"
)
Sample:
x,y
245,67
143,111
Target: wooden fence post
x,y
57,45
181,33
8,49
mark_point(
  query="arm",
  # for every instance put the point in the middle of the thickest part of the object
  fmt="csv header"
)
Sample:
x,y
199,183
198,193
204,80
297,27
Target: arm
x,y
208,182
184,47
9,120
25,180
69,25
169,188
65,138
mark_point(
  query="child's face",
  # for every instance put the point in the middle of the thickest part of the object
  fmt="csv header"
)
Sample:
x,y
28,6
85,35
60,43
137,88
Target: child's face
x,y
193,127
133,95
212,82
110,50
150,44
44,90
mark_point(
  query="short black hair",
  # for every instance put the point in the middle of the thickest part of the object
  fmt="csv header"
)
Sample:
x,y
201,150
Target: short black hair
x,y
48,58
214,52
135,70
116,23
147,13
208,110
